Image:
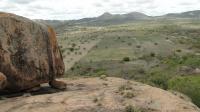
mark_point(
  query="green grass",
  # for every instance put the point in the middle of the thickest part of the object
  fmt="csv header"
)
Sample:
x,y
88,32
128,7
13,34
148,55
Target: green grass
x,y
188,60
190,86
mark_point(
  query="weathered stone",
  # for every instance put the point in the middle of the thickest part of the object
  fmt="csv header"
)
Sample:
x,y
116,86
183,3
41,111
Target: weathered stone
x,y
3,81
58,84
185,69
196,71
29,53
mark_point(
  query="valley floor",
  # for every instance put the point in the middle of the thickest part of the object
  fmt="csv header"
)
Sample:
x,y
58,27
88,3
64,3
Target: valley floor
x,y
161,53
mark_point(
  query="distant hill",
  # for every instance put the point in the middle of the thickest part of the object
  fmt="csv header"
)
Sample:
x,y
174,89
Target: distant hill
x,y
190,14
53,23
110,19
114,19
104,19
123,17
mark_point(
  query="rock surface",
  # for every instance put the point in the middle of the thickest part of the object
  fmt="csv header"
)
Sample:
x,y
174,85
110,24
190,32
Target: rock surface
x,y
100,95
29,53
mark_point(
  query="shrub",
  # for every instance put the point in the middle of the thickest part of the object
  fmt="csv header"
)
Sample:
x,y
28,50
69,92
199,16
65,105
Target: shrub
x,y
141,71
160,80
71,49
103,77
188,86
125,87
123,41
138,46
129,44
73,44
128,94
179,50
130,108
95,100
152,54
126,59
181,42
72,69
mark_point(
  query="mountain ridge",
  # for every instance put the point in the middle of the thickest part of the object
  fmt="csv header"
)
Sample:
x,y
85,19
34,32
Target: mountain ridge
x,y
108,13
189,14
114,19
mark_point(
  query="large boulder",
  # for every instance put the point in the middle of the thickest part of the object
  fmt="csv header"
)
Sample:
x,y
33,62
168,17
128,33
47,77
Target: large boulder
x,y
29,54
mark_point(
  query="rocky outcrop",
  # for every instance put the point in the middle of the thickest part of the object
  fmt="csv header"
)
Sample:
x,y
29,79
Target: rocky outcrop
x,y
3,81
100,95
29,53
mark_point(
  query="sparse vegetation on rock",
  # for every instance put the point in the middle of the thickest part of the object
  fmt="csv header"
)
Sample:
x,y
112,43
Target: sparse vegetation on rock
x,y
130,108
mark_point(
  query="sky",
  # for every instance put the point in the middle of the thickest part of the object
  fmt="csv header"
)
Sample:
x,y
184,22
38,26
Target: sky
x,y
77,9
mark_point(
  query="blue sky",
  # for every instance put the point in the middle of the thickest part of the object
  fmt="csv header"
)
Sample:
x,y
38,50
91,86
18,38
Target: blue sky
x,y
76,9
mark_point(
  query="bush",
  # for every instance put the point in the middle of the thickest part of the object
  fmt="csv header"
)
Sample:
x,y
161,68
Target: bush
x,y
138,46
72,69
141,71
129,44
125,87
95,100
160,80
126,59
152,54
128,94
99,72
130,108
189,86
179,50
71,49
73,44
103,77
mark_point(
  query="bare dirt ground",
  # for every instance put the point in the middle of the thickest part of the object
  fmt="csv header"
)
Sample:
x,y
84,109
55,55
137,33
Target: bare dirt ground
x,y
82,45
70,60
99,95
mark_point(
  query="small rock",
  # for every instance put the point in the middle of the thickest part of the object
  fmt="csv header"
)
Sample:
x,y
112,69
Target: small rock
x,y
197,71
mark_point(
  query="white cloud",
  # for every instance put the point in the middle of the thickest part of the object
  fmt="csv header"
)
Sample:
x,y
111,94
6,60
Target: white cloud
x,y
76,9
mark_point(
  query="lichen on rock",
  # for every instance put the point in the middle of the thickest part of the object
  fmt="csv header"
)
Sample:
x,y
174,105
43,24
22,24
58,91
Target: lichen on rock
x,y
29,53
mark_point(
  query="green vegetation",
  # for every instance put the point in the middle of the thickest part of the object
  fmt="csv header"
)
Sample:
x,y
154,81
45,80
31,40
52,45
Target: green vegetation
x,y
126,59
128,94
125,87
190,86
162,53
103,77
130,108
